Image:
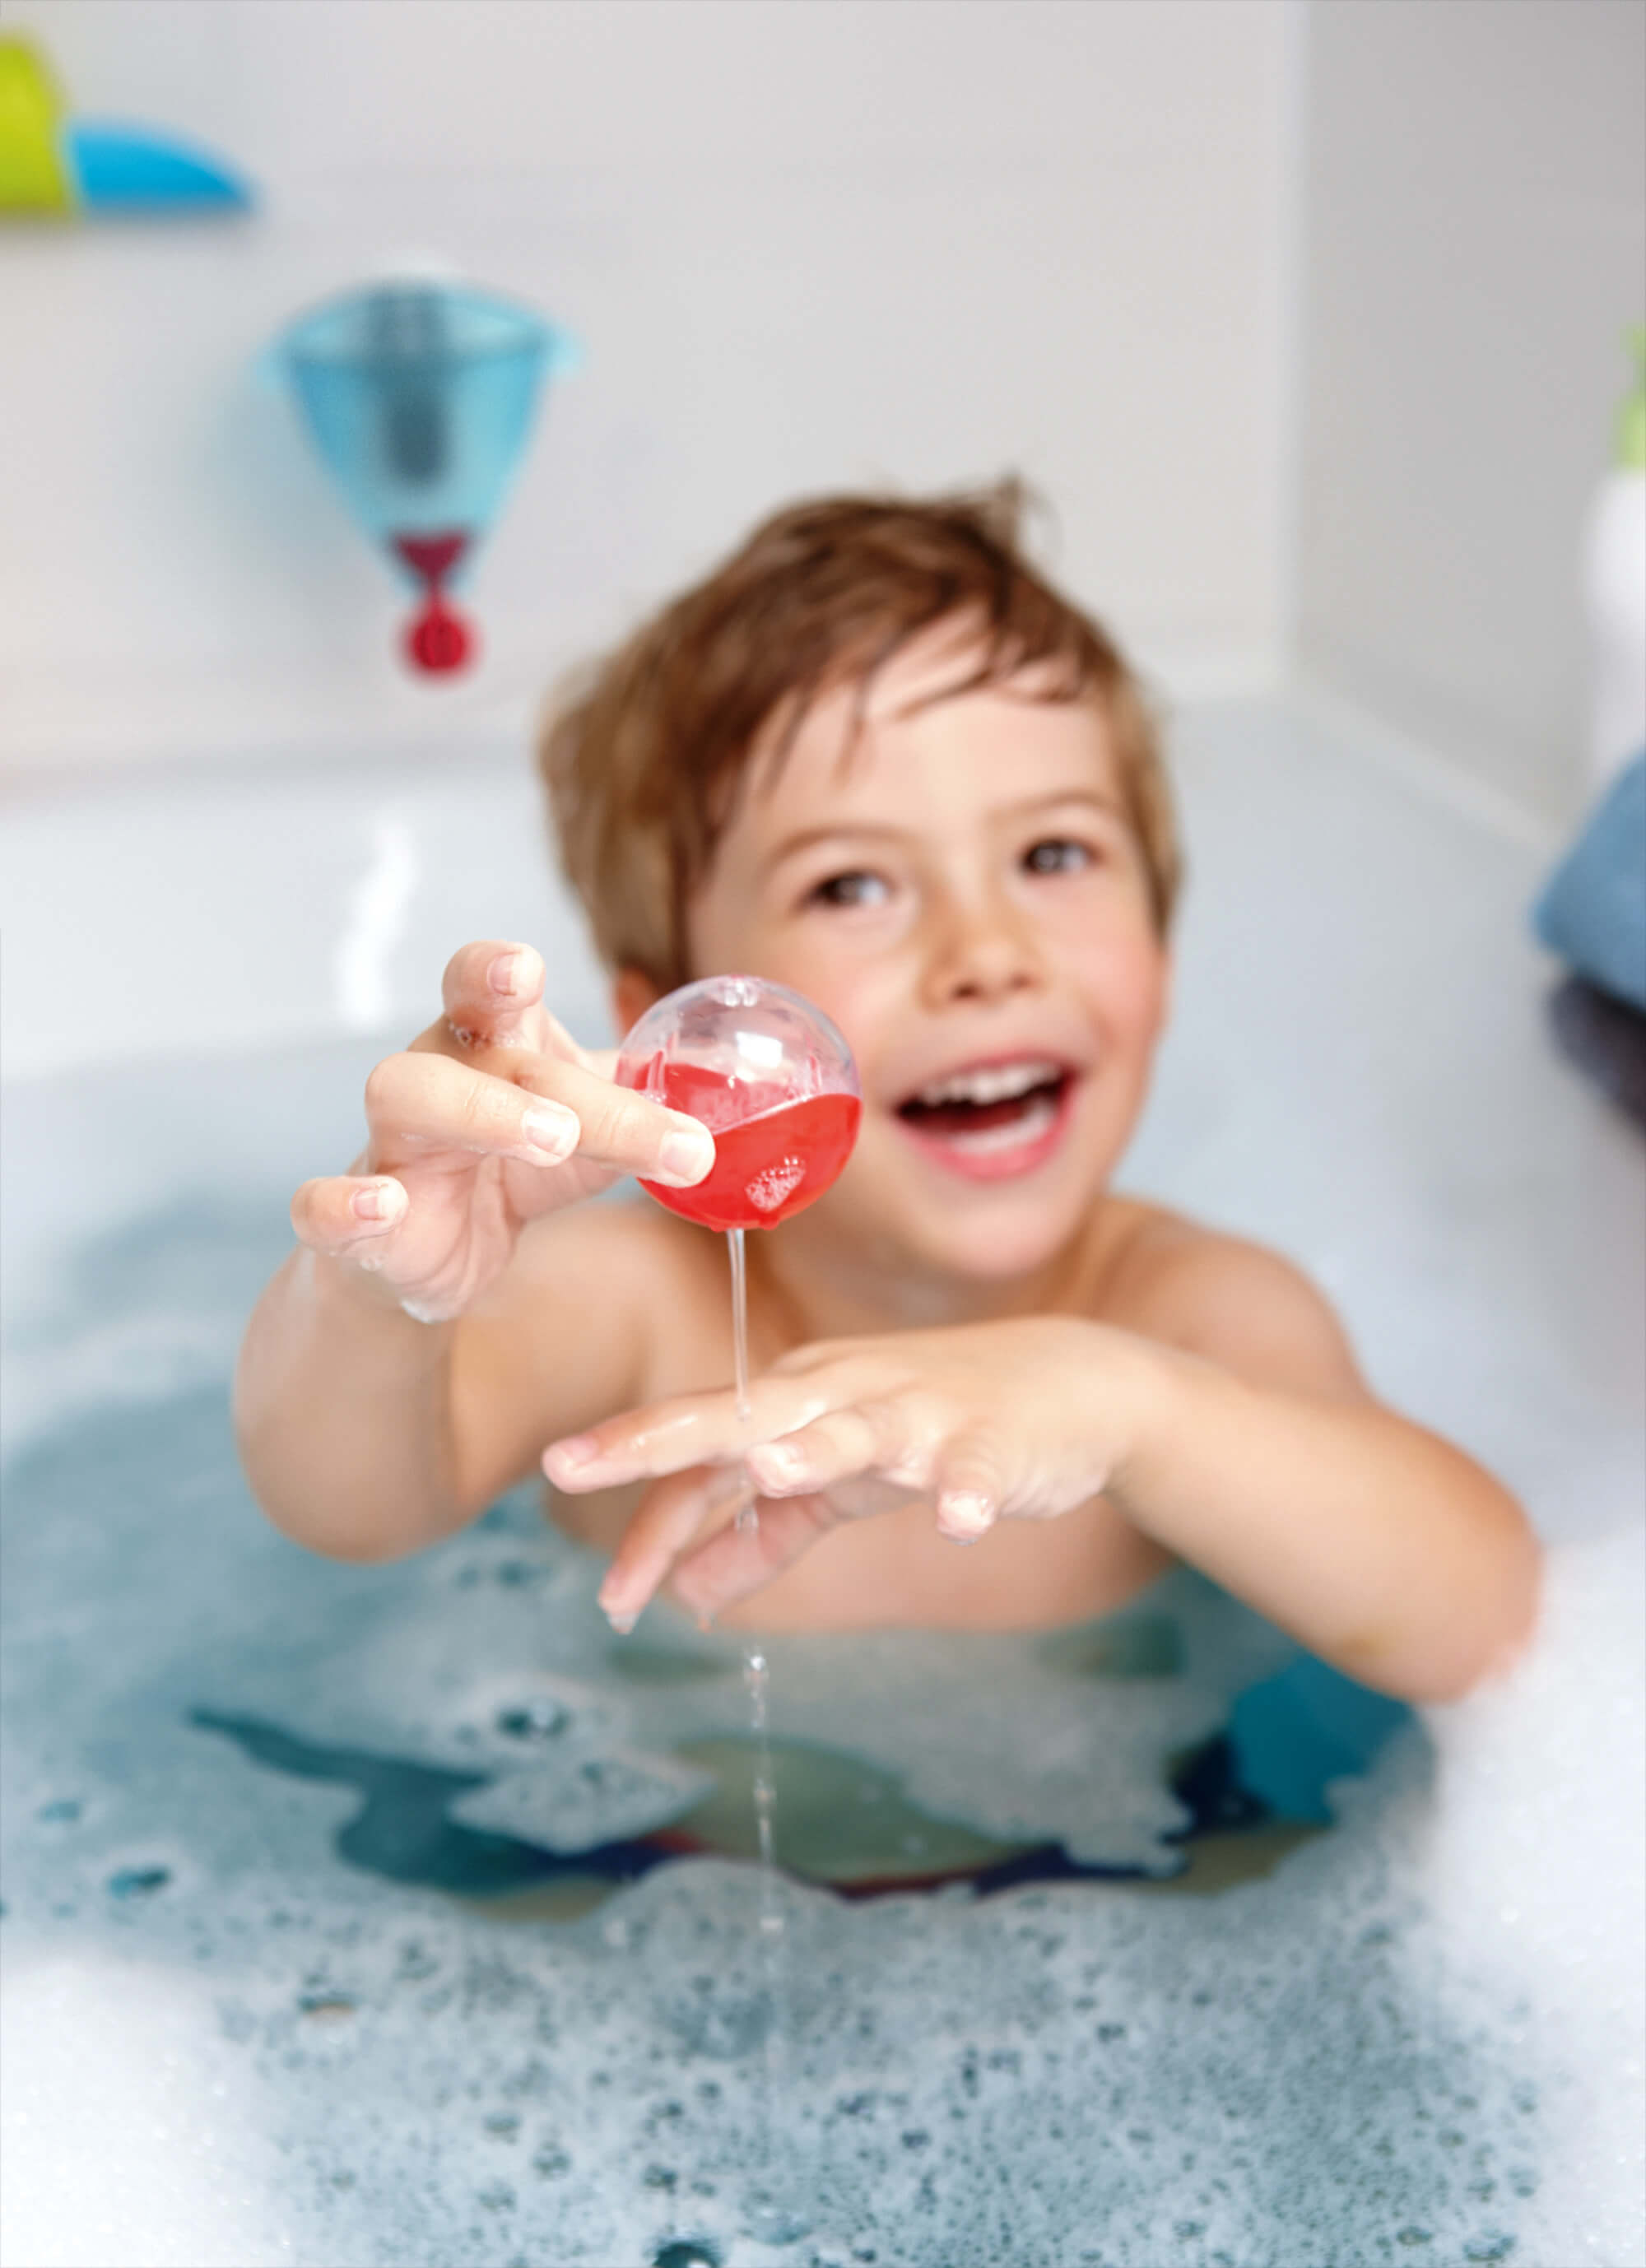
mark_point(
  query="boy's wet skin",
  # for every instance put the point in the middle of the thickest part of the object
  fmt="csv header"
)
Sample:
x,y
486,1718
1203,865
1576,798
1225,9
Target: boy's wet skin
x,y
969,1340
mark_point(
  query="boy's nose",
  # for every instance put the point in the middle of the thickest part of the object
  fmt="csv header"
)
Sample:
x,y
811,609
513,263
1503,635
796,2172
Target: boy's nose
x,y
980,951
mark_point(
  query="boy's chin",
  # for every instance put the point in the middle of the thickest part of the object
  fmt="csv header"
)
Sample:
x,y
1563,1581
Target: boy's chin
x,y
1004,1242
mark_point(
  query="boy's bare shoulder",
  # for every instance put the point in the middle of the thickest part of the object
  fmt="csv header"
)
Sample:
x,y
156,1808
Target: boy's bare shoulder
x,y
591,1316
1238,1303
626,1267
631,1248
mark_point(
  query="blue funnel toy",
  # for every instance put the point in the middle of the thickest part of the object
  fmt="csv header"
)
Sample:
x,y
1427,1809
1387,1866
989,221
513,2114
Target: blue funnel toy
x,y
419,397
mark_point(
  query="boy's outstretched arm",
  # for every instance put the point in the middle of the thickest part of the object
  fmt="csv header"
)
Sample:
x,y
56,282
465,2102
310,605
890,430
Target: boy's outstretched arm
x,y
1239,1438
393,1377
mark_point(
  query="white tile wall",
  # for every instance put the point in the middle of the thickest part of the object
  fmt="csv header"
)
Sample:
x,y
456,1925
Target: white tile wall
x,y
1474,216
806,244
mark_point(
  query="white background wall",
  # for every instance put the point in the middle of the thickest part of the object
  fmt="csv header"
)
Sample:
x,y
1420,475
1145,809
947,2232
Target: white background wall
x,y
1304,313
1474,218
805,242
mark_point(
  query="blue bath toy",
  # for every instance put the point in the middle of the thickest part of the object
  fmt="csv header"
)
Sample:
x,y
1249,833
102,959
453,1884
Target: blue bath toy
x,y
128,169
52,164
419,397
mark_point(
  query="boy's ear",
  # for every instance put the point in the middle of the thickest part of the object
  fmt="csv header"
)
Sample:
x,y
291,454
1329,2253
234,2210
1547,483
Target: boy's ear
x,y
632,993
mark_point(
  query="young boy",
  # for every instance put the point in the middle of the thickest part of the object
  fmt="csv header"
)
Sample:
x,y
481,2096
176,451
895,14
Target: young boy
x,y
875,757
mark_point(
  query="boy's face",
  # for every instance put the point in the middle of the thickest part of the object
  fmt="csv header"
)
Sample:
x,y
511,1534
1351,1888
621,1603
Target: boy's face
x,y
965,897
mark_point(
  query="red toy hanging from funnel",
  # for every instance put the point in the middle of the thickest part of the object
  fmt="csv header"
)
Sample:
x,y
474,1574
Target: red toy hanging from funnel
x,y
419,397
440,638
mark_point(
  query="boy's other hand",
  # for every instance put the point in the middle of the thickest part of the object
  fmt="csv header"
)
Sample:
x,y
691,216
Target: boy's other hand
x,y
492,1116
1024,1419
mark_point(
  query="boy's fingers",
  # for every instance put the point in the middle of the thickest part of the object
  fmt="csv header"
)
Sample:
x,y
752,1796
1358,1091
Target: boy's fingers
x,y
418,1102
415,1103
671,1515
336,1214
869,1437
693,1429
490,990
740,1560
626,1131
971,1491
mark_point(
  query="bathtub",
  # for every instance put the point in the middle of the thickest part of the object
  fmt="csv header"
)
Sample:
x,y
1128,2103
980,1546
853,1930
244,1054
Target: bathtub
x,y
282,1979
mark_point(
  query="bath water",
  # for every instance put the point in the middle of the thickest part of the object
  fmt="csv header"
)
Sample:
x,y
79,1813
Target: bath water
x,y
404,1898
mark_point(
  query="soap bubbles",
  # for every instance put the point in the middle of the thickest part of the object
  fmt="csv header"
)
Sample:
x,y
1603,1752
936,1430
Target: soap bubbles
x,y
772,1080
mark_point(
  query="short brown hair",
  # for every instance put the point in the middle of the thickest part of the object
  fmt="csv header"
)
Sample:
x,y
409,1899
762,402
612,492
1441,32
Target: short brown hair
x,y
644,753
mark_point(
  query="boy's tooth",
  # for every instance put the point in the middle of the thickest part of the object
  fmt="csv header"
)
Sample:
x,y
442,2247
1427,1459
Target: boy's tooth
x,y
988,1085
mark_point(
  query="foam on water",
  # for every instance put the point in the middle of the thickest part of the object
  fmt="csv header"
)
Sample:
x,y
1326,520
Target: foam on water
x,y
1415,2038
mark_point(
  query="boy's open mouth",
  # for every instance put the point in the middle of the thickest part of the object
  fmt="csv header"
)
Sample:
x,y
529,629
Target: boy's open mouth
x,y
991,1118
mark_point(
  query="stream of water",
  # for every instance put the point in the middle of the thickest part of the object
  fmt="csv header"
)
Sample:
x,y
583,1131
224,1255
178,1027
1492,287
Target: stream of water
x,y
775,2221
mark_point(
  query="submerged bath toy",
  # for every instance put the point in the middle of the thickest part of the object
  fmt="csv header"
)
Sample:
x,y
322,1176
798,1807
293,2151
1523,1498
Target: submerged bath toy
x,y
419,396
771,1078
51,164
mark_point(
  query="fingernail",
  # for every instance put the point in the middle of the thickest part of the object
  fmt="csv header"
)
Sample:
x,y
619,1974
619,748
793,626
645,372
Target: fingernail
x,y
966,1514
608,1598
778,1459
577,1449
687,1154
379,1201
505,971
552,1129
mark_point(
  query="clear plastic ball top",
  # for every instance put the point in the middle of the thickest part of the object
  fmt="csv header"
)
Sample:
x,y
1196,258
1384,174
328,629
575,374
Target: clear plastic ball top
x,y
733,1050
761,1045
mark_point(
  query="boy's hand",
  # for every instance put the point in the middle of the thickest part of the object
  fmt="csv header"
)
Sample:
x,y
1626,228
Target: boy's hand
x,y
1016,1420
492,1116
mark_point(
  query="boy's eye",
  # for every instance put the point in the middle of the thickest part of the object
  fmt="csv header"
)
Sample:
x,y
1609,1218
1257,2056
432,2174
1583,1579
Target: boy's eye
x,y
855,888
1058,856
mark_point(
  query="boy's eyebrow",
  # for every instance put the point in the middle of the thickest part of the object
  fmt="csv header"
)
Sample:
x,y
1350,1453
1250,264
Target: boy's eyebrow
x,y
875,831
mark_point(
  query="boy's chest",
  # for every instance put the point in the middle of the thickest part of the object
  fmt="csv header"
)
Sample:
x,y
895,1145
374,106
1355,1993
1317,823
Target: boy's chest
x,y
892,1569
